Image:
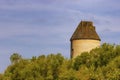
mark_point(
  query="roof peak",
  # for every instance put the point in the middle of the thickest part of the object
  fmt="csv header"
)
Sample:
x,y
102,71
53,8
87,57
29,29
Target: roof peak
x,y
86,23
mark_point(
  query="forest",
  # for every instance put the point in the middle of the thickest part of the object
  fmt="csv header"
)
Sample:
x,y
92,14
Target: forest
x,y
101,63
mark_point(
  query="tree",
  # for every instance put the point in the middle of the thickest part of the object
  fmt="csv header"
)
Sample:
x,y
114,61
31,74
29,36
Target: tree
x,y
102,63
15,57
83,59
1,76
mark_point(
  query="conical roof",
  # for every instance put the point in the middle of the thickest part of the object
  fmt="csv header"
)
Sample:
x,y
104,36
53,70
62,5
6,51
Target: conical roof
x,y
85,30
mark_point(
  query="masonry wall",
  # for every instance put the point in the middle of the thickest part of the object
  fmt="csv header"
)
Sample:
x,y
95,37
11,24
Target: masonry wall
x,y
79,46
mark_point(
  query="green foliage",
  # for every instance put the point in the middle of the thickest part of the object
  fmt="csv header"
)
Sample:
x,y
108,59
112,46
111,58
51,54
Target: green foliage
x,y
1,76
15,57
102,63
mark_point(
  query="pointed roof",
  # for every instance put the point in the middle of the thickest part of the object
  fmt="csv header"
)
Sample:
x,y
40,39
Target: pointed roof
x,y
85,30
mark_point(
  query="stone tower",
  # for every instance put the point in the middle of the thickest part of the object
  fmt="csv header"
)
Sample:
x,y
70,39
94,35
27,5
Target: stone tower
x,y
84,39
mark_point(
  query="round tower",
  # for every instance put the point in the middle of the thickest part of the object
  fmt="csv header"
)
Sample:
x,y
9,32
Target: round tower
x,y
84,39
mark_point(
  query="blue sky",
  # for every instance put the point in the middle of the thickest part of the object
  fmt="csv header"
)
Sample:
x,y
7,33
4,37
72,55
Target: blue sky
x,y
36,27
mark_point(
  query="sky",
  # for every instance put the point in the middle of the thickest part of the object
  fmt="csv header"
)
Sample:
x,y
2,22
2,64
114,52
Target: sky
x,y
40,27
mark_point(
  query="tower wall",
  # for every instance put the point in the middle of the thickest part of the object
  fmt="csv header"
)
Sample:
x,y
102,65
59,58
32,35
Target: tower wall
x,y
83,45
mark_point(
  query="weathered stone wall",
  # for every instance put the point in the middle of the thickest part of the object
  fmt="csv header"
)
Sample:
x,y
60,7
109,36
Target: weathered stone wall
x,y
85,45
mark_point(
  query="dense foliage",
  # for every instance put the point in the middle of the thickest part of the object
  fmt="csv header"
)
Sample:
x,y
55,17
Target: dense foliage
x,y
102,63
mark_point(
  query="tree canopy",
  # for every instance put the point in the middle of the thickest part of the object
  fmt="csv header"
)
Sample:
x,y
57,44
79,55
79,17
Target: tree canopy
x,y
102,63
